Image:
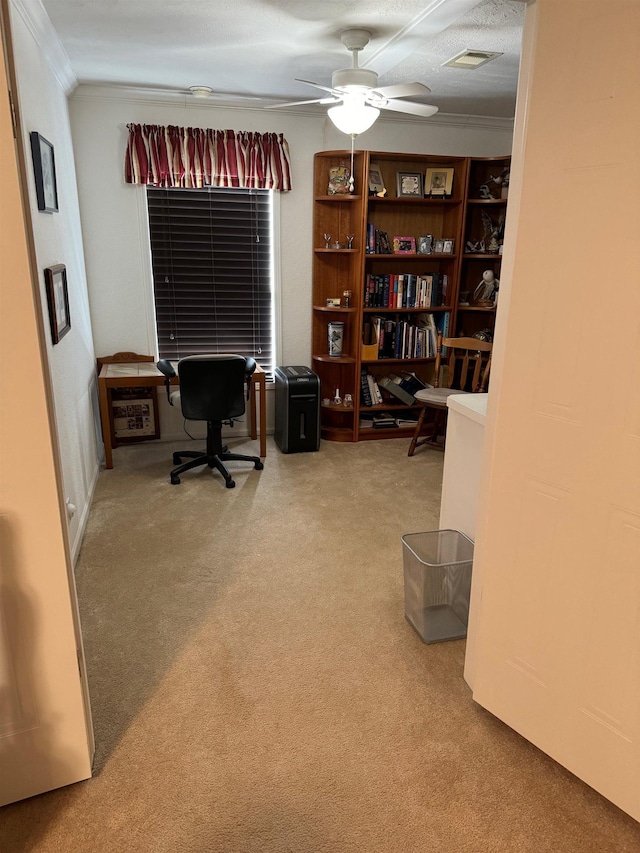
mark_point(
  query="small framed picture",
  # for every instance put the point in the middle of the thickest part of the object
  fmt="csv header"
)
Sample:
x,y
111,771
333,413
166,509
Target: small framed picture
x,y
410,185
404,245
439,247
448,246
333,303
439,181
58,301
425,244
44,171
376,182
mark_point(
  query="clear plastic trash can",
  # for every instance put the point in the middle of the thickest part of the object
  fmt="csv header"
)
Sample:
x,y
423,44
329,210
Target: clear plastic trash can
x,y
437,583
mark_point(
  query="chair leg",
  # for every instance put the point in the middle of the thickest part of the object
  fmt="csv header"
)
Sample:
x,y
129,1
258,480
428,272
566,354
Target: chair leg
x,y
418,430
438,428
195,462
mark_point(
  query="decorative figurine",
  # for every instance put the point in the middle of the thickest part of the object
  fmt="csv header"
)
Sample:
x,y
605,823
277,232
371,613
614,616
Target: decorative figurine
x,y
501,181
337,399
350,238
493,232
486,293
348,401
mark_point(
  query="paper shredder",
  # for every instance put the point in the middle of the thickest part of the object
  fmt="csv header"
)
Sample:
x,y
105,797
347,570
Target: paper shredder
x,y
297,409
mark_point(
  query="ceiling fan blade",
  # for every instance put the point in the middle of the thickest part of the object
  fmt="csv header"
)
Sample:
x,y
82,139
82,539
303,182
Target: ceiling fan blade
x,y
424,110
404,90
317,85
299,103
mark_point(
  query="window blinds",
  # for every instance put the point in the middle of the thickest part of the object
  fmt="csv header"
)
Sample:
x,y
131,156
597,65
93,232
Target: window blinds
x,y
211,260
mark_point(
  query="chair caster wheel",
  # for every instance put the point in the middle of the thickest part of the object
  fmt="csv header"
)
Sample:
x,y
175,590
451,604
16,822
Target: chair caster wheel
x,y
259,466
177,460
175,481
231,484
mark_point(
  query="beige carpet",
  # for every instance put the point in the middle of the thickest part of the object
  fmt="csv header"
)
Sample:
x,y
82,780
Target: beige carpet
x,y
256,688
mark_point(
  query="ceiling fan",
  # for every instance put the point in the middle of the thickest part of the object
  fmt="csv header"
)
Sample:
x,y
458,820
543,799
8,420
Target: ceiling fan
x,y
357,92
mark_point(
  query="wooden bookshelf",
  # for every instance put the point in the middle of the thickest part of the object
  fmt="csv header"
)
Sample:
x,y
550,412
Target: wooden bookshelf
x,y
471,318
338,269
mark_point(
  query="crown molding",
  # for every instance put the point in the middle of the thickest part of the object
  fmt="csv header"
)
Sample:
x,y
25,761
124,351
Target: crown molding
x,y
146,95
39,25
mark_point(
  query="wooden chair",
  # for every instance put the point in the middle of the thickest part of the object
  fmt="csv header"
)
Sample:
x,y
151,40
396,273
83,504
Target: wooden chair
x,y
469,362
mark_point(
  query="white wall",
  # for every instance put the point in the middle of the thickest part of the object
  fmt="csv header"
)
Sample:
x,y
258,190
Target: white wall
x,y
113,213
58,240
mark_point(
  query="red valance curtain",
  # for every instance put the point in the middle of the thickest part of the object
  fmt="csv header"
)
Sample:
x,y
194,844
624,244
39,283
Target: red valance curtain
x,y
200,157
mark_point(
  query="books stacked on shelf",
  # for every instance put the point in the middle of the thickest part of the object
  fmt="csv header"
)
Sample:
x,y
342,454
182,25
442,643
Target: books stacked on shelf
x,y
370,394
414,338
384,420
378,242
405,290
379,420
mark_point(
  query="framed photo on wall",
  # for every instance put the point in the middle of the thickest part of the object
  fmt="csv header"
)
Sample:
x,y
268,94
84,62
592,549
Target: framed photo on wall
x,y
44,171
58,301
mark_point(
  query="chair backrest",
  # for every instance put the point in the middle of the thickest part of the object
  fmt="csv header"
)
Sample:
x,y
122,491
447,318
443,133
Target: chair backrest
x,y
212,386
468,361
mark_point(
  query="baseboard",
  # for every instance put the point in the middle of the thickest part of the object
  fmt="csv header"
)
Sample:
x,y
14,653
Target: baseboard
x,y
84,518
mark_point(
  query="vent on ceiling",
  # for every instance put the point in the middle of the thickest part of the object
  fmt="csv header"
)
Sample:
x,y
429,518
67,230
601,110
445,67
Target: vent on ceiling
x,y
471,59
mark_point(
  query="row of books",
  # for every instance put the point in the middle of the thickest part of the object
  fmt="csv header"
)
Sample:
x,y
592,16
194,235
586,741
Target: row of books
x,y
405,290
416,338
378,242
400,388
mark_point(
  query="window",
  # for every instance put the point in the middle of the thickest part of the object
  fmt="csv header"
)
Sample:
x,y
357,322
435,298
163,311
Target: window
x,y
211,255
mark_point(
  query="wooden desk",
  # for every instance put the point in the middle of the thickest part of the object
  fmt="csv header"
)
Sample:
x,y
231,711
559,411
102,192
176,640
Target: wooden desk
x,y
146,373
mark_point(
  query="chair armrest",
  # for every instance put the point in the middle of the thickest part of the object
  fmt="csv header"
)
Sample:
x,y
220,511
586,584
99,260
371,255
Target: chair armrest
x,y
166,368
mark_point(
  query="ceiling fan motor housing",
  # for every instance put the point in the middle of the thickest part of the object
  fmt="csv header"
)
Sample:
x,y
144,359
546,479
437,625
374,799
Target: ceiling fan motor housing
x,y
354,77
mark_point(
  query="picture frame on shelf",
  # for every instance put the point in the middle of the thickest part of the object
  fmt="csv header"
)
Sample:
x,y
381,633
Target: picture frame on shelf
x,y
44,172
448,244
439,247
404,245
57,301
425,245
439,181
376,181
409,185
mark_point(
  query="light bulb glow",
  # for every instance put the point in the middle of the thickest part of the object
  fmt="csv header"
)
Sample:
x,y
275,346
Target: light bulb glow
x,y
353,115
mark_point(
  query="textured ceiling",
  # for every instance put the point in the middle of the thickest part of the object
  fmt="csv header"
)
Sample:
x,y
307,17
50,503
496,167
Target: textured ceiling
x,y
248,49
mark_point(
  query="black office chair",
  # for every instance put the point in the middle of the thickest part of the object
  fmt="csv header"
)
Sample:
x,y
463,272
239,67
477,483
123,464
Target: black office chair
x,y
212,389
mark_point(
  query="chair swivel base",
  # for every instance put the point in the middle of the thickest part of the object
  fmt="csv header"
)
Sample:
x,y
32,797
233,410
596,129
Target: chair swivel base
x,y
215,460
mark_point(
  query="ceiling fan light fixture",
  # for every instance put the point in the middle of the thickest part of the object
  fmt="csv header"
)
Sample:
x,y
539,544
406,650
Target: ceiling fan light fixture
x,y
353,116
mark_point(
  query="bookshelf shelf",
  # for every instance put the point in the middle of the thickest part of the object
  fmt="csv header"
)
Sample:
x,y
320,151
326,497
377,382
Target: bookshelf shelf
x,y
432,309
332,359
339,197
334,310
336,251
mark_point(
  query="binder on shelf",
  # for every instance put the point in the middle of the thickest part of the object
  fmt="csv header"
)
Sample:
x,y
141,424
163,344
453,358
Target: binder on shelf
x,y
392,384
